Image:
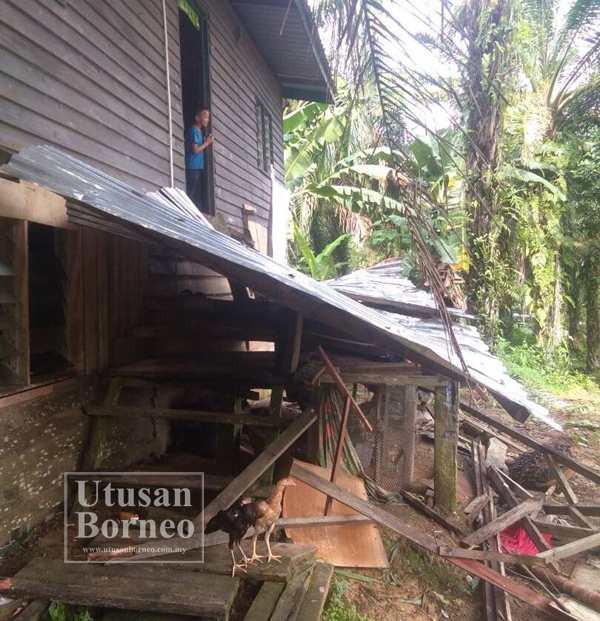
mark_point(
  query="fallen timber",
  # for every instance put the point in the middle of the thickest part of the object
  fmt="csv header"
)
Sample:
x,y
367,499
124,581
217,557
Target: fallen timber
x,y
429,543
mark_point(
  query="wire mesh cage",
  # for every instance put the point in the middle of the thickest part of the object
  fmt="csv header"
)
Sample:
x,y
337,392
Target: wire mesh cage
x,y
385,455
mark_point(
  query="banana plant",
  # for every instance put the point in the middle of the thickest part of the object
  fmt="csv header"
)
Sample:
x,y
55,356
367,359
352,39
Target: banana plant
x,y
321,266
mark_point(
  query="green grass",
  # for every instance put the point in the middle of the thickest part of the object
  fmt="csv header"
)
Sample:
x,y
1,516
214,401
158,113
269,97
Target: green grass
x,y
65,612
337,608
558,373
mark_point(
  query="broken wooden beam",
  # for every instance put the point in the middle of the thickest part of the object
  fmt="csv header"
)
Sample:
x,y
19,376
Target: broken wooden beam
x,y
563,531
487,574
342,386
511,501
552,508
338,452
504,521
570,549
490,555
577,466
590,597
412,500
265,601
567,490
192,415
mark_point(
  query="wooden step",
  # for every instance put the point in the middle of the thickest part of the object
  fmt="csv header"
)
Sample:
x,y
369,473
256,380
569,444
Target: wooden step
x,y
264,603
136,479
316,595
35,611
194,415
289,602
140,587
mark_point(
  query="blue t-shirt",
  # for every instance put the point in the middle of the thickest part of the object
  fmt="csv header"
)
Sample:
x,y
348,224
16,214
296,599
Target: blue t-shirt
x,y
194,161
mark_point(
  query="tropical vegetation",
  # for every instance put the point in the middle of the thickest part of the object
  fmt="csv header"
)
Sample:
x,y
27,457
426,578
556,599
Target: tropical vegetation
x,y
464,138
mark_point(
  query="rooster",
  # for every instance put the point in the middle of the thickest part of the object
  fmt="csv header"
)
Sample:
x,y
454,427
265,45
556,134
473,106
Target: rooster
x,y
266,514
235,521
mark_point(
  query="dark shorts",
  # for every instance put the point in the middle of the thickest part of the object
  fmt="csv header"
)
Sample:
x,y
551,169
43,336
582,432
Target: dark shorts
x,y
194,186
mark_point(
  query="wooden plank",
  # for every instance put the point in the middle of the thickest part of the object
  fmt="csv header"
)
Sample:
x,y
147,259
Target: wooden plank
x,y
495,526
562,531
22,294
90,291
511,501
26,201
102,283
176,414
288,604
399,526
570,549
291,345
429,381
264,603
329,520
475,512
354,544
489,555
567,490
241,483
90,585
34,611
412,500
338,452
552,508
316,595
446,446
582,469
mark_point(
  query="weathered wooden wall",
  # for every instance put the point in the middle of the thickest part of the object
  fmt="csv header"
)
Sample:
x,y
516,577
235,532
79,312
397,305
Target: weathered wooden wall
x,y
89,77
238,75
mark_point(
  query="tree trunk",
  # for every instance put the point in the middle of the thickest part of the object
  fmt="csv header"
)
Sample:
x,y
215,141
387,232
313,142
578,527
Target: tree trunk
x,y
488,41
592,303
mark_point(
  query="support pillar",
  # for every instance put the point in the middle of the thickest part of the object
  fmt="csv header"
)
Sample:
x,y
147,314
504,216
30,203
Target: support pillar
x,y
446,445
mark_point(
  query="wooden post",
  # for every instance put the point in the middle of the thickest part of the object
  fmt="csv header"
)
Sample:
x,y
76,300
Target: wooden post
x,y
338,452
275,405
292,340
408,433
446,445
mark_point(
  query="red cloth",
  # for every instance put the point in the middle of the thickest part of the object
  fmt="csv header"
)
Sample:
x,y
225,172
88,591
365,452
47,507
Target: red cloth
x,y
515,539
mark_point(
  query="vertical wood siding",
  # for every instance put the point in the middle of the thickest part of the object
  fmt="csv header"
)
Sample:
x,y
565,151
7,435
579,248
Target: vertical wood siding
x,y
90,78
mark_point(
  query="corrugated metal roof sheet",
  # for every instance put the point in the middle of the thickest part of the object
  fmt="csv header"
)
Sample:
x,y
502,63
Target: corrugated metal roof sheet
x,y
387,283
285,34
119,202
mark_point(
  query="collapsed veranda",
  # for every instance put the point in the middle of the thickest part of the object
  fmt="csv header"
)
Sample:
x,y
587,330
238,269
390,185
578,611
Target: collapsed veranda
x,y
134,330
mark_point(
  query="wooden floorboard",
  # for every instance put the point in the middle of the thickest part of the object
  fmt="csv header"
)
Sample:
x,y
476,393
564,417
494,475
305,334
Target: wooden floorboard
x,y
151,588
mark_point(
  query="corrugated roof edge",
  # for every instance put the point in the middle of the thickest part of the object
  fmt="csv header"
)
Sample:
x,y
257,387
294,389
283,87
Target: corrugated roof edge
x,y
70,177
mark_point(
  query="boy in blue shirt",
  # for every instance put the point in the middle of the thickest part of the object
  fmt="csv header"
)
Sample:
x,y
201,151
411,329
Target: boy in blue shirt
x,y
194,159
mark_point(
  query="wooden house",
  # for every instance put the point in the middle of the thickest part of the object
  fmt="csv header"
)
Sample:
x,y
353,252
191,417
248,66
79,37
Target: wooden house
x,y
135,328
116,84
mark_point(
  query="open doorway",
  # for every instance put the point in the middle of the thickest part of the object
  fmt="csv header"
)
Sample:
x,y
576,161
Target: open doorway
x,y
195,87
